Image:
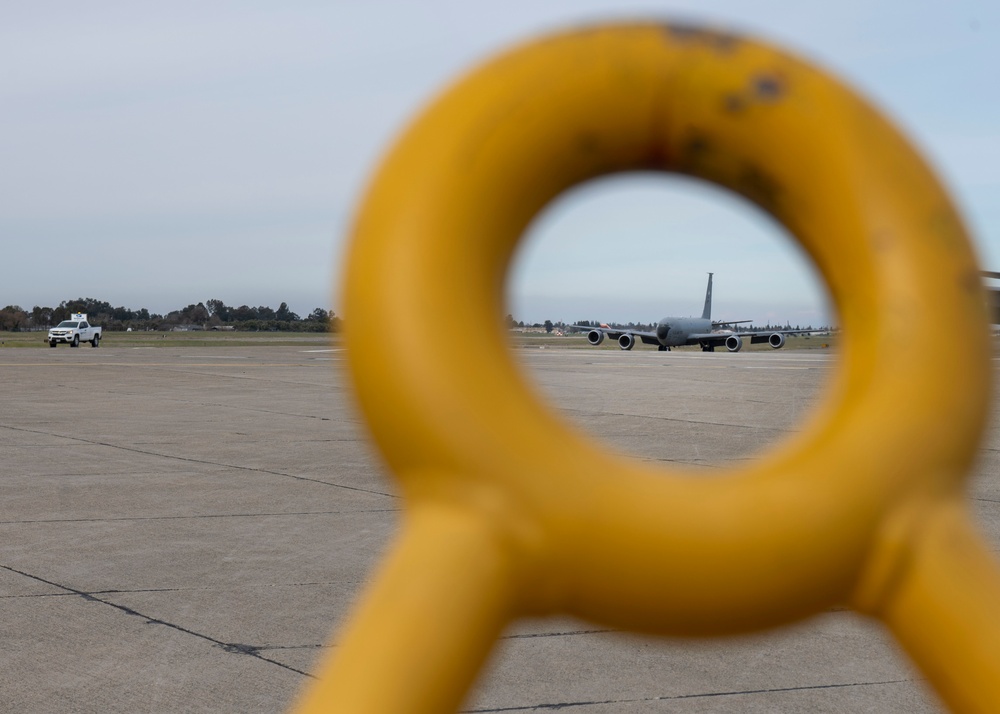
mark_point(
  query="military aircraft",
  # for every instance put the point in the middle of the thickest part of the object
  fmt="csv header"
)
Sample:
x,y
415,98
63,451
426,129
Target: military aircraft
x,y
677,331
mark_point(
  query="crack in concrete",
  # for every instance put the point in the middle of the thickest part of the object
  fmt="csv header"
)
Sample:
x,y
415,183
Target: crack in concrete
x,y
248,650
556,634
256,649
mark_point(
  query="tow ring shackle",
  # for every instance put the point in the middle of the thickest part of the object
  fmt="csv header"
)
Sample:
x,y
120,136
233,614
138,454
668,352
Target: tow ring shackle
x,y
509,511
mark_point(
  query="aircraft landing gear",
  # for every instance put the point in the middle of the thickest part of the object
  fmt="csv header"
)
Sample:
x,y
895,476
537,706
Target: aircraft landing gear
x,y
664,348
708,348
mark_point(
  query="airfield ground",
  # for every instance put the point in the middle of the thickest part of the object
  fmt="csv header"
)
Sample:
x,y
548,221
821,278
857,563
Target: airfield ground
x,y
184,522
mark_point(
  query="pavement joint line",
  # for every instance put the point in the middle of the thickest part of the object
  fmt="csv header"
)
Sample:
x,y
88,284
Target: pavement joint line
x,y
676,697
205,515
216,375
198,461
171,366
140,591
768,366
225,646
28,596
594,414
211,588
250,409
180,368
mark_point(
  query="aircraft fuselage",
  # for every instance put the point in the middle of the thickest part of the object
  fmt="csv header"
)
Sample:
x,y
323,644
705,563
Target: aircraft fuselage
x,y
675,331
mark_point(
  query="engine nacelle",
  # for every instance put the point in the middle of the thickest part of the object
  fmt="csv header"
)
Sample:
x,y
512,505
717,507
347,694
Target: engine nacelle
x,y
595,337
734,343
626,341
776,340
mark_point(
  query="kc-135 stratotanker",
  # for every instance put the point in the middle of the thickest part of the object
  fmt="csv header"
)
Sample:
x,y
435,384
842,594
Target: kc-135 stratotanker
x,y
678,331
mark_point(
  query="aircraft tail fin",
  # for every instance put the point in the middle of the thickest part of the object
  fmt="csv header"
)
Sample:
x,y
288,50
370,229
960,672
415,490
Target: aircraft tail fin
x,y
707,312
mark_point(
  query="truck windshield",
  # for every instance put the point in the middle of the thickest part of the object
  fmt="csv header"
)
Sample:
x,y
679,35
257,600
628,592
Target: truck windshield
x,y
67,323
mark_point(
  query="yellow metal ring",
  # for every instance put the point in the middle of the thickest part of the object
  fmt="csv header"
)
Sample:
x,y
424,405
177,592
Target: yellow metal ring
x,y
545,520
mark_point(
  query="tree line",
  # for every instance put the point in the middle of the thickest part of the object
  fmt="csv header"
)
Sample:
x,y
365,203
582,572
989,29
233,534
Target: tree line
x,y
211,314
651,327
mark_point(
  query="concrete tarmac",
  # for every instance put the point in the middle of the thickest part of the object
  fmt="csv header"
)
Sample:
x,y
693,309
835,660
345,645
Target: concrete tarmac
x,y
181,530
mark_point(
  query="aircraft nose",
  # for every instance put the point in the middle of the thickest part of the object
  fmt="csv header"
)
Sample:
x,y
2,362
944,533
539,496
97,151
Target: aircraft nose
x,y
661,331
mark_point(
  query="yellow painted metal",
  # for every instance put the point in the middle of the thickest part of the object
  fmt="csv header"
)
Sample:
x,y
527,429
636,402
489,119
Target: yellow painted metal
x,y
510,511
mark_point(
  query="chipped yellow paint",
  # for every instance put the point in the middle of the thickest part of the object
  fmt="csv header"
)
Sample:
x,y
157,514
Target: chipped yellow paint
x,y
510,511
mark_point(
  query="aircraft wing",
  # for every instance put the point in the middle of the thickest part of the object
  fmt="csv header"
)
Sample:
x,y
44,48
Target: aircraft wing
x,y
755,337
762,336
602,328
648,338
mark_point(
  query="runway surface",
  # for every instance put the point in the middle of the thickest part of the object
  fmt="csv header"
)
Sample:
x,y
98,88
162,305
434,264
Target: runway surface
x,y
181,530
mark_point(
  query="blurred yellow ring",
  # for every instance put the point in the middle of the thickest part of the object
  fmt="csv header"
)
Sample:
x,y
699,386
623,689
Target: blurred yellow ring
x,y
791,532
514,511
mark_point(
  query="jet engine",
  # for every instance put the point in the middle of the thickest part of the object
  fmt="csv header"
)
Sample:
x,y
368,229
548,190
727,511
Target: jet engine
x,y
776,340
595,337
626,341
734,343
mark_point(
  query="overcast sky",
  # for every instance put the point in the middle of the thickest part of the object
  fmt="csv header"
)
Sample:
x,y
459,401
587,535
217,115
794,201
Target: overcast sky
x,y
159,154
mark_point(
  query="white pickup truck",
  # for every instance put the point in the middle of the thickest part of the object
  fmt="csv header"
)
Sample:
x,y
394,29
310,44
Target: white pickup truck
x,y
74,332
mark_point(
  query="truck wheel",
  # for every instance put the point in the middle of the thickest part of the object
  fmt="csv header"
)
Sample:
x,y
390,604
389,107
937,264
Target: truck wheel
x,y
96,341
52,344
76,341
